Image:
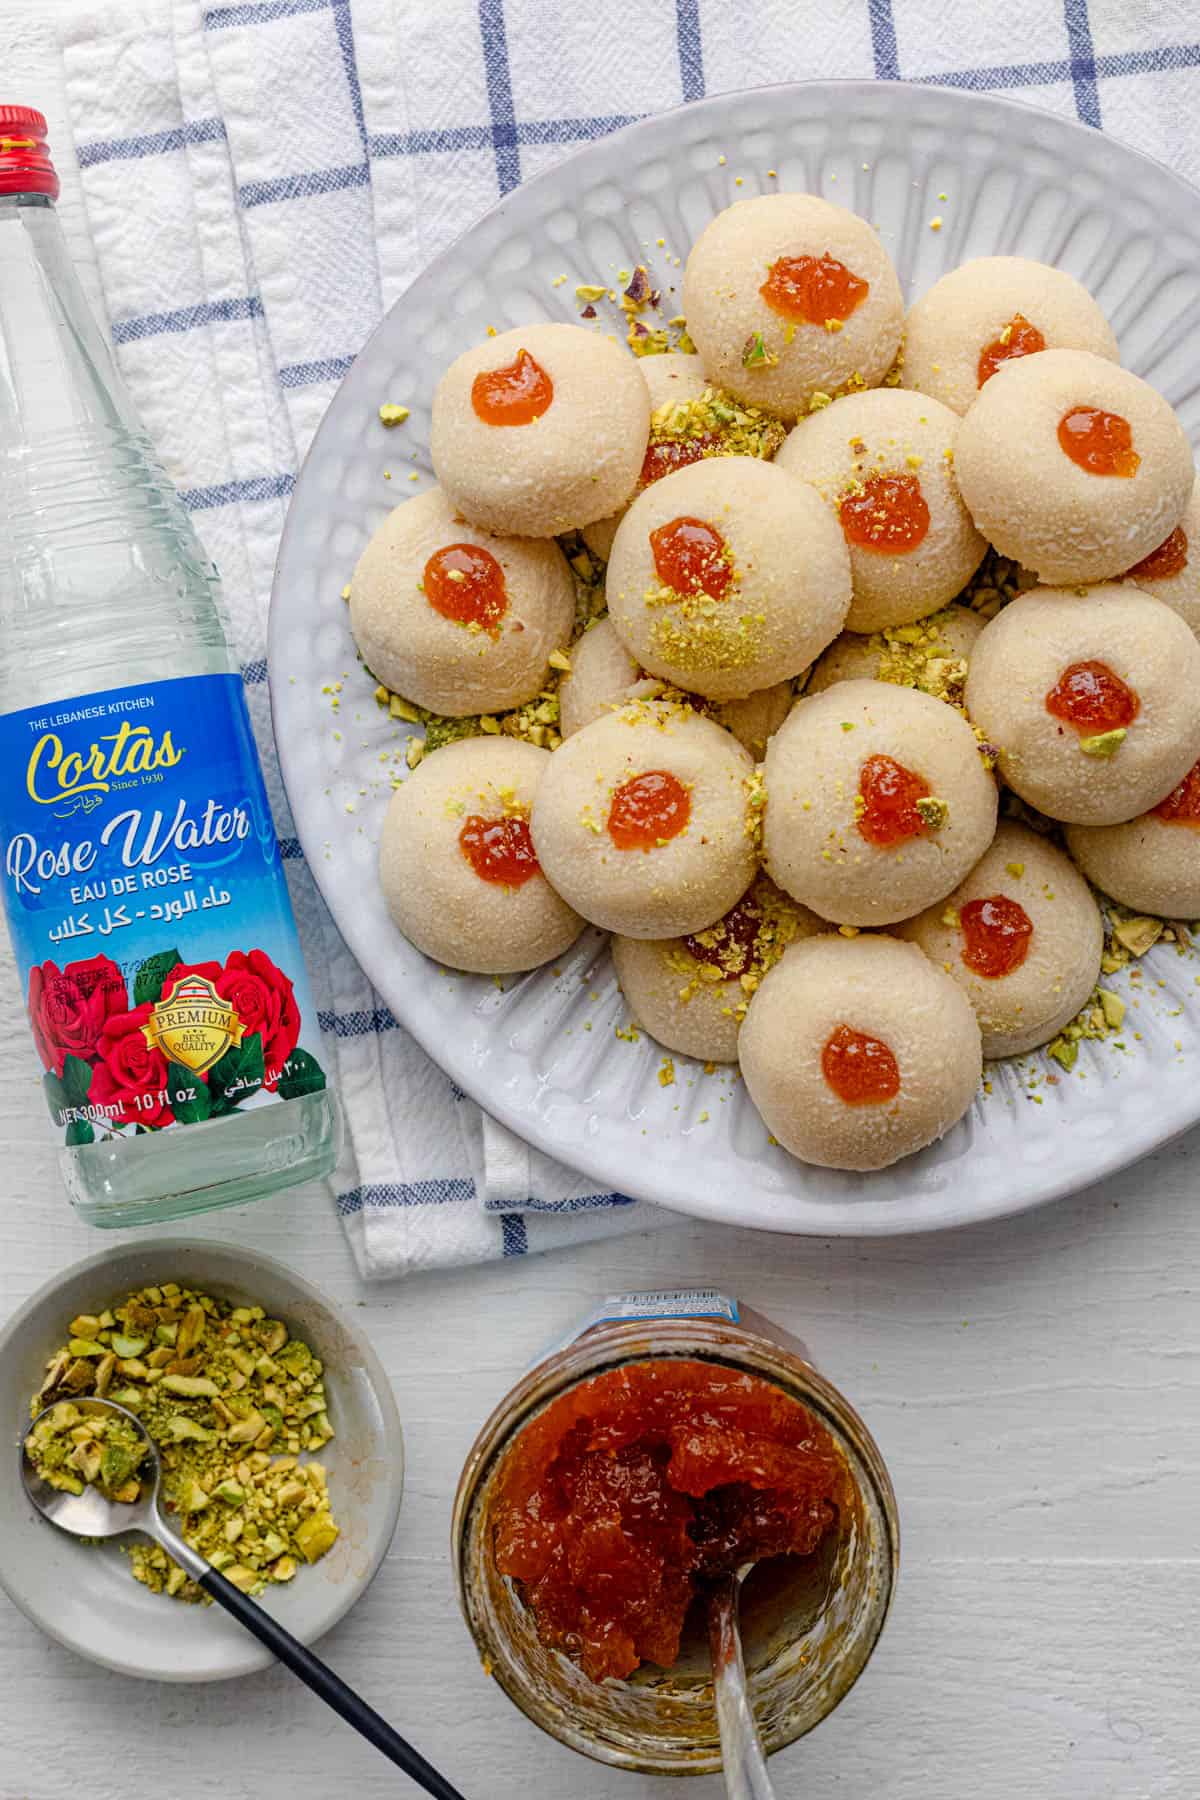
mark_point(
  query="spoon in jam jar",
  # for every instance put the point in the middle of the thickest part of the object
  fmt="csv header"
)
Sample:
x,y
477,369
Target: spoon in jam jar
x,y
92,1514
742,1756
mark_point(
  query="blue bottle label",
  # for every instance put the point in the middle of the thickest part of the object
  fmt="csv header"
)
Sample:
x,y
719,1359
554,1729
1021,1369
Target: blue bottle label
x,y
137,818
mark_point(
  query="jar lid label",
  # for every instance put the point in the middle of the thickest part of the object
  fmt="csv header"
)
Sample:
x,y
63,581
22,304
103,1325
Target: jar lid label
x,y
659,1303
666,1303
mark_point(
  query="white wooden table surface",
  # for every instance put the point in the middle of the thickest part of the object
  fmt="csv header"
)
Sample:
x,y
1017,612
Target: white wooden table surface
x,y
1034,1386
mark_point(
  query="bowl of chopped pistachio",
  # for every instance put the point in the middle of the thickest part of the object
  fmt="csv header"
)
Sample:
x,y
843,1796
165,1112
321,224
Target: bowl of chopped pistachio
x,y
277,1430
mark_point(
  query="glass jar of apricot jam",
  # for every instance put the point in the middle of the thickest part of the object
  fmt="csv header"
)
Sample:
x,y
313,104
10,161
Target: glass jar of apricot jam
x,y
732,1393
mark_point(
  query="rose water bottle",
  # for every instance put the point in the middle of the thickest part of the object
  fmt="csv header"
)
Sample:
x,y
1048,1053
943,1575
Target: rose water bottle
x,y
175,1034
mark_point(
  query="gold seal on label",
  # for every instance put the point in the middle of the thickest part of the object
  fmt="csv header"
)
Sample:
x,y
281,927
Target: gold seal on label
x,y
194,1025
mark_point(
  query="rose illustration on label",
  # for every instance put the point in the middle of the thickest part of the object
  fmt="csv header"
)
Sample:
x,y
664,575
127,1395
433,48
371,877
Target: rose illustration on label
x,y
129,1081
68,1007
199,1041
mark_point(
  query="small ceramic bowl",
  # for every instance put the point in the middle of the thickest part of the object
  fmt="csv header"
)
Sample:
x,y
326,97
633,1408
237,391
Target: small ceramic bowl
x,y
84,1594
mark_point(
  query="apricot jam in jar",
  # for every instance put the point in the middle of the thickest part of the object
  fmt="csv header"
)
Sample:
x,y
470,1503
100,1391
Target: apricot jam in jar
x,y
672,1437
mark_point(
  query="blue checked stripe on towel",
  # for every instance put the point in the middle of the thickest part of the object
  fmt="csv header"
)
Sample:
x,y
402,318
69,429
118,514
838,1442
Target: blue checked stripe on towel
x,y
420,116
504,135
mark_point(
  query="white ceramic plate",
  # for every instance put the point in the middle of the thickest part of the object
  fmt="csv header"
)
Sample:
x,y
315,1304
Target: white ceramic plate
x,y
83,1594
1016,181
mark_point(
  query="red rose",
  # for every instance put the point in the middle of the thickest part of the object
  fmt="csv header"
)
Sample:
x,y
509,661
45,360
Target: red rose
x,y
68,1008
265,1003
127,1066
211,971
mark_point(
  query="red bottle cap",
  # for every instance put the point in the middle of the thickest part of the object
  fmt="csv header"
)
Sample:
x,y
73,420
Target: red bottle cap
x,y
25,166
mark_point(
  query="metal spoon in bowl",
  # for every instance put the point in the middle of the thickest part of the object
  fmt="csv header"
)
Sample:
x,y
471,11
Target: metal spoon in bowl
x,y
92,1515
742,1756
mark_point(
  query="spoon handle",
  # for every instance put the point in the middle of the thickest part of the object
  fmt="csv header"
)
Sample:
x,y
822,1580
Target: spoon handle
x,y
745,1765
322,1680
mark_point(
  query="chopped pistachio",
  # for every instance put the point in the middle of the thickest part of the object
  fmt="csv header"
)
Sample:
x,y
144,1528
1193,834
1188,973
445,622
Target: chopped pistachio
x,y
180,1428
79,1376
193,1498
247,1429
933,811
191,1331
315,1535
56,1368
1113,1008
87,1457
1137,934
644,342
119,1460
1105,743
296,1357
755,354
71,1450
214,1444
191,1387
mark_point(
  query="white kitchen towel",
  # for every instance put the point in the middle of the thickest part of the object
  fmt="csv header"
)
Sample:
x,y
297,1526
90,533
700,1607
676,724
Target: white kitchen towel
x,y
222,155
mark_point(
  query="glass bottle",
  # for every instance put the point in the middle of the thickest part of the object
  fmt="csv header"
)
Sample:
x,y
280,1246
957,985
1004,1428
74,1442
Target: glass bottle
x,y
179,1049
